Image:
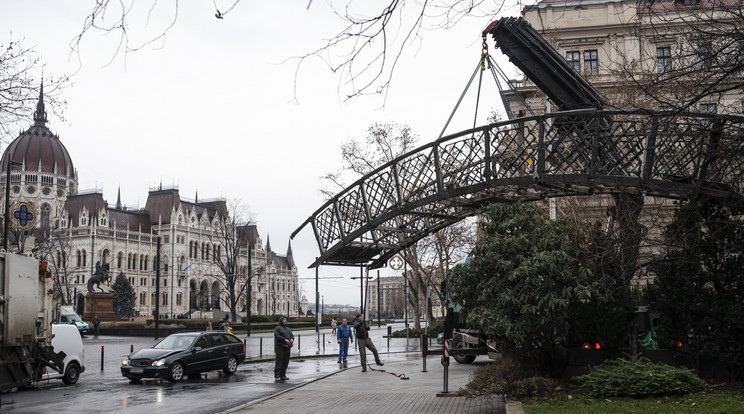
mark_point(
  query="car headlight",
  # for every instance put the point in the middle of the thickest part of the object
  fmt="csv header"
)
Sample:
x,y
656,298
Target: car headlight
x,y
126,361
159,362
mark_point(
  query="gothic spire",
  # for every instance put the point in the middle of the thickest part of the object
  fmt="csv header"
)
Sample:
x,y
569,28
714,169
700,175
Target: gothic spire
x,y
118,198
289,248
268,243
40,116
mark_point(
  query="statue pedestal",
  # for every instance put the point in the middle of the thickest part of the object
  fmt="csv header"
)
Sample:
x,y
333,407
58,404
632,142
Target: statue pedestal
x,y
99,305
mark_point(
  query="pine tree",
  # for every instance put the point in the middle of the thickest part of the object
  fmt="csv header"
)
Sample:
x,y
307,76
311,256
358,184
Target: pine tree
x,y
124,296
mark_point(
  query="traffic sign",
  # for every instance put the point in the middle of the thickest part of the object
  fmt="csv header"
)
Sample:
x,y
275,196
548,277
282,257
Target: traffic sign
x,y
396,262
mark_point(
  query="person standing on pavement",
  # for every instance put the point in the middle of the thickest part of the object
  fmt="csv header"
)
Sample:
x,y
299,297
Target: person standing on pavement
x,y
334,325
361,331
283,341
343,336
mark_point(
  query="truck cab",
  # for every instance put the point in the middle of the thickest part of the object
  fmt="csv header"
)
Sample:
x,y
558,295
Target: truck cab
x,y
67,315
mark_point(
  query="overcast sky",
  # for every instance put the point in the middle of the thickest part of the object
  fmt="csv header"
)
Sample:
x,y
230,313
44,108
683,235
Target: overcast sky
x,y
213,110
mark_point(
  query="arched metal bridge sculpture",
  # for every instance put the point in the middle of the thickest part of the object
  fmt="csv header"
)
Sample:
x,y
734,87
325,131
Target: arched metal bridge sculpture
x,y
527,159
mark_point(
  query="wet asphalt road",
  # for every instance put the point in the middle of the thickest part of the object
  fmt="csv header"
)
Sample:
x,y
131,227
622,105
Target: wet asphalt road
x,y
105,390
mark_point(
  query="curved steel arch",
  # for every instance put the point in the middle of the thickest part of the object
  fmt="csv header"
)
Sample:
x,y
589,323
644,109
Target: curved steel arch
x,y
527,159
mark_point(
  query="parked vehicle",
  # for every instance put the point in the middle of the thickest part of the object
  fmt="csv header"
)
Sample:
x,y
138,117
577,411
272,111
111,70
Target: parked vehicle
x,y
68,315
466,343
66,338
25,321
185,354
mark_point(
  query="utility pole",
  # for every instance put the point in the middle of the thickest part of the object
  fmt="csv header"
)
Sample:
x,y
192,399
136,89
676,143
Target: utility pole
x,y
7,201
317,329
378,300
157,289
248,291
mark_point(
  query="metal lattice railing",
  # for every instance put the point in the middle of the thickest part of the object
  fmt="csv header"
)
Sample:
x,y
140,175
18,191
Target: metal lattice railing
x,y
527,159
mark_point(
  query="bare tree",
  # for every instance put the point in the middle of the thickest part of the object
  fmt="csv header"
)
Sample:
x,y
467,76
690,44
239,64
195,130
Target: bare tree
x,y
365,52
432,256
20,86
231,250
56,251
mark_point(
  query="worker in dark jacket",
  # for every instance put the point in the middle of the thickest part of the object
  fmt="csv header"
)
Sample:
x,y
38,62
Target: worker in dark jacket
x,y
361,331
283,341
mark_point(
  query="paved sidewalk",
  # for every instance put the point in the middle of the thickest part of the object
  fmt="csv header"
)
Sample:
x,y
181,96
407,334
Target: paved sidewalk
x,y
382,390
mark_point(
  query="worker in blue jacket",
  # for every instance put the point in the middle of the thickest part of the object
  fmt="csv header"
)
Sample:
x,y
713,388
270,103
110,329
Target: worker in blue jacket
x,y
343,335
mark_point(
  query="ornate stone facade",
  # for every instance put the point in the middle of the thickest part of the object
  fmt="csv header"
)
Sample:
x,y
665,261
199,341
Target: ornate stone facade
x,y
77,229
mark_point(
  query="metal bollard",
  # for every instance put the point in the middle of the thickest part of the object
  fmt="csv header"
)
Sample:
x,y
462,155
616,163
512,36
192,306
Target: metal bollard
x,y
390,333
131,348
299,341
101,357
323,343
260,346
424,349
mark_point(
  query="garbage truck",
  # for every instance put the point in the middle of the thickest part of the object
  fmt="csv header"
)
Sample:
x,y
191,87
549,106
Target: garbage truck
x,y
26,297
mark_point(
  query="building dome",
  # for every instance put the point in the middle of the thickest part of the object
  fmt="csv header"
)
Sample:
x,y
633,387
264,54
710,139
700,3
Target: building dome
x,y
38,150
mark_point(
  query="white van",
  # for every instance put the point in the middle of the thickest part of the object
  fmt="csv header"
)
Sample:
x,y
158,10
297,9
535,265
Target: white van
x,y
67,338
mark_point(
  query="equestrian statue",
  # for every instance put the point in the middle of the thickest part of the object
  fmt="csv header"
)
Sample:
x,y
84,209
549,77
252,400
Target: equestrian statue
x,y
101,275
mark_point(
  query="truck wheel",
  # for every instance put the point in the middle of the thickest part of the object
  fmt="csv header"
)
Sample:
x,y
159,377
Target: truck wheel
x,y
458,343
72,373
175,373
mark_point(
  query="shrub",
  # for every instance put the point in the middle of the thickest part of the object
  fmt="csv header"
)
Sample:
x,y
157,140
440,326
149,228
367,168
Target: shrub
x,y
434,329
638,377
506,377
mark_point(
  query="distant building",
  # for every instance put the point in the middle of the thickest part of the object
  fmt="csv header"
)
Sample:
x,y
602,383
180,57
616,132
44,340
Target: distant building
x,y
76,230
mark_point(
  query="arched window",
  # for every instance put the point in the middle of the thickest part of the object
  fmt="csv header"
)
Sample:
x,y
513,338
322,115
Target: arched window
x,y
142,262
85,261
83,220
179,299
129,261
164,299
79,257
203,247
142,298
45,209
119,260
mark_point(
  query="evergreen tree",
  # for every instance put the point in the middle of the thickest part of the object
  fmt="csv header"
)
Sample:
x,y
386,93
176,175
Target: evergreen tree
x,y
699,286
124,297
528,283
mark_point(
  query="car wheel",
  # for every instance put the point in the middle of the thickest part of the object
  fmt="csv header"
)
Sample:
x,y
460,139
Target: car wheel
x,y
175,373
458,343
72,373
232,366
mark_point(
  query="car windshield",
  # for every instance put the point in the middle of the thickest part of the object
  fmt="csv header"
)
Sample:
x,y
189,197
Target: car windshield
x,y
176,342
74,318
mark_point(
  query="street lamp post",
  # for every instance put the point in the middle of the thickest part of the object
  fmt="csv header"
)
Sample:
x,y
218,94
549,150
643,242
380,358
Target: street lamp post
x,y
361,288
7,200
248,291
157,289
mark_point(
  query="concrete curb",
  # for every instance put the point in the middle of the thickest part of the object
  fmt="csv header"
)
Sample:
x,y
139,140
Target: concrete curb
x,y
514,407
